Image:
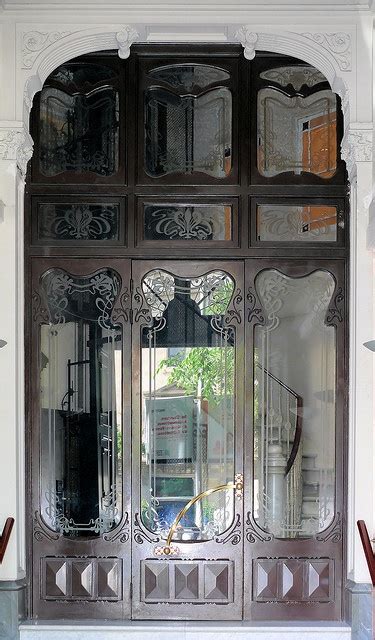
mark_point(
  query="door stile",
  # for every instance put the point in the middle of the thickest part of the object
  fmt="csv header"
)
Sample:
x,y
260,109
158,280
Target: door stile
x,y
84,575
194,579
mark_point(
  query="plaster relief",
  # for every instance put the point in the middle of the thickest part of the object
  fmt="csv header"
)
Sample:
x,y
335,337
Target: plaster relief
x,y
339,44
33,42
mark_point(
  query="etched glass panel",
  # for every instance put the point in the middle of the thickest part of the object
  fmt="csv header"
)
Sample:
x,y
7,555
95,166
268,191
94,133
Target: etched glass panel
x,y
187,396
294,405
188,222
188,77
297,134
186,134
63,222
79,122
297,77
307,223
81,403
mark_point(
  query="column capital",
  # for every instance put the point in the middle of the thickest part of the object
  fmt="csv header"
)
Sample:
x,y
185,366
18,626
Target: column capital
x,y
16,144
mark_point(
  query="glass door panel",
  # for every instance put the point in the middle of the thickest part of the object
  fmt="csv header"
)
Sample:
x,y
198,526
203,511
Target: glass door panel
x,y
186,332
81,438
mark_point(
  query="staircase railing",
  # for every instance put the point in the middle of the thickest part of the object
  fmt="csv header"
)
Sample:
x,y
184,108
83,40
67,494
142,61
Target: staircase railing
x,y
4,538
367,548
281,453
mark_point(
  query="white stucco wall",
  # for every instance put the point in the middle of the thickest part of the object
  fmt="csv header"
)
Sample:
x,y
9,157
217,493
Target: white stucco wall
x,y
35,38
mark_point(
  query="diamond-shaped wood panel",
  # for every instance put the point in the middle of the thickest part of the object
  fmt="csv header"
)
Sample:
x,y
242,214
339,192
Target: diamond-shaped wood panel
x,y
265,579
109,578
56,583
186,581
156,581
319,579
291,577
82,578
217,581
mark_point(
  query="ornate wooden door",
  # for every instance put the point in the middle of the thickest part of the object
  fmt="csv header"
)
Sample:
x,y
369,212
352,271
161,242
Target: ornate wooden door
x,y
187,439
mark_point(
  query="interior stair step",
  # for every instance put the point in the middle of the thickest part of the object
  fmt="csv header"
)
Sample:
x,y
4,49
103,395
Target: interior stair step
x,y
132,630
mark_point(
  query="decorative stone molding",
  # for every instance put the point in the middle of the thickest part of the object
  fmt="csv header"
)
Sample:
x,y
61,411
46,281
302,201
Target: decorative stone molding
x,y
16,144
248,39
125,39
33,42
339,44
356,146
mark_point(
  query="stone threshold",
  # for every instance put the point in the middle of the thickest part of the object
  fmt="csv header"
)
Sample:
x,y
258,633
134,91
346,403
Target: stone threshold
x,y
175,630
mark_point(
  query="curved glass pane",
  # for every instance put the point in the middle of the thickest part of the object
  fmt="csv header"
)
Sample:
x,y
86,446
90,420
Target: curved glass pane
x,y
295,76
185,134
297,134
79,122
188,76
187,402
294,405
81,404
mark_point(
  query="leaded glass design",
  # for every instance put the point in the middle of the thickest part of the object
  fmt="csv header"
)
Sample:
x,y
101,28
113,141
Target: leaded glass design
x,y
79,121
190,76
188,222
297,134
292,223
295,76
81,404
294,405
64,222
186,134
187,403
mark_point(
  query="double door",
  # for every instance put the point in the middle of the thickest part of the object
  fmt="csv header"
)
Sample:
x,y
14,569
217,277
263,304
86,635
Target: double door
x,y
186,441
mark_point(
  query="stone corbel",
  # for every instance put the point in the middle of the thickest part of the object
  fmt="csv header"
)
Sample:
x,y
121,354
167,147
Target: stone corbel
x,y
125,39
248,39
16,145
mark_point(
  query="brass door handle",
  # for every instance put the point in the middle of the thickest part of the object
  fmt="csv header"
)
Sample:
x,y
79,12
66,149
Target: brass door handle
x,y
237,486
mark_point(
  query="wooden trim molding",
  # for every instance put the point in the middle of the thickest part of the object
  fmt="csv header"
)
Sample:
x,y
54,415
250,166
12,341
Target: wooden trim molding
x,y
4,538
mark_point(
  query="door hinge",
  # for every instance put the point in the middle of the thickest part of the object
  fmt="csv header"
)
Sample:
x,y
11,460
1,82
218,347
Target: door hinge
x,y
131,591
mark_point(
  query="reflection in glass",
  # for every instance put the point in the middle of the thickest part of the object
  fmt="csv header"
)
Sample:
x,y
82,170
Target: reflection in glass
x,y
297,134
79,122
84,221
188,222
81,403
294,405
190,76
307,223
187,396
296,76
185,134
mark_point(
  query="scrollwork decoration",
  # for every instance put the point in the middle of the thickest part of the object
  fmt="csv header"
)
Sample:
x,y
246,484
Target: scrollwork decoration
x,y
333,533
254,311
121,533
255,534
335,312
234,535
40,530
141,534
234,312
40,313
122,310
33,42
142,311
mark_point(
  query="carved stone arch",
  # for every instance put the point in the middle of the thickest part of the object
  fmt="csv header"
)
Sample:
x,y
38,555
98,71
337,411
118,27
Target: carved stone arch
x,y
42,53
